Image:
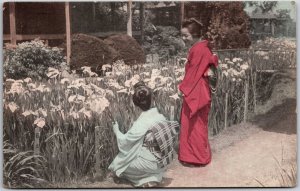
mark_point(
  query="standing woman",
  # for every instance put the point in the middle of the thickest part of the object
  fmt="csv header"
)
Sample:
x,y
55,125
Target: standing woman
x,y
194,147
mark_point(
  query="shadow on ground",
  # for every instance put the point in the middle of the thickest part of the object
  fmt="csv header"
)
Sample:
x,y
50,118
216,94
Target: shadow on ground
x,y
280,119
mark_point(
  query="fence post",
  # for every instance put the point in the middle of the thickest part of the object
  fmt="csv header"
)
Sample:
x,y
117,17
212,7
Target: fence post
x,y
294,59
99,175
37,134
97,147
254,92
172,113
246,100
226,110
253,79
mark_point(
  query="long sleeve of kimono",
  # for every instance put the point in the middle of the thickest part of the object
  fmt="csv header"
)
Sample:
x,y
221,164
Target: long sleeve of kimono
x,y
194,86
129,139
198,63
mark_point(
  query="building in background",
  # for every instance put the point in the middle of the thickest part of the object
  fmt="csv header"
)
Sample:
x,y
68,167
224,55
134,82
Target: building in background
x,y
271,24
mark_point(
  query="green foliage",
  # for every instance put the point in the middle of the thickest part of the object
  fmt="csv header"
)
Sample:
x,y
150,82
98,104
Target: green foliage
x,y
31,59
264,6
283,13
225,24
164,40
22,169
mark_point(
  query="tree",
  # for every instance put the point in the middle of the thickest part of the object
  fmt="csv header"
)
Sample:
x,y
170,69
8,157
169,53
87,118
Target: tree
x,y
283,13
225,24
264,6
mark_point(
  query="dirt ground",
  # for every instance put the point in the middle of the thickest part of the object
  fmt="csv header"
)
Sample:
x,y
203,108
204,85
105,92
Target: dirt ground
x,y
261,152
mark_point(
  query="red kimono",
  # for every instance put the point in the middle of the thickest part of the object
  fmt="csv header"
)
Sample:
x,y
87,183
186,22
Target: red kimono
x,y
193,141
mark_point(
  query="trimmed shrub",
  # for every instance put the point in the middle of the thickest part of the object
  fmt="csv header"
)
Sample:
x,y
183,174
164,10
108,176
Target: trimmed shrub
x,y
31,59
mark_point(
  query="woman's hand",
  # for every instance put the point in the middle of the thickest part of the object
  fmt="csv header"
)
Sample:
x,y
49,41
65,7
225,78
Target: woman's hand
x,y
182,61
115,127
210,72
180,94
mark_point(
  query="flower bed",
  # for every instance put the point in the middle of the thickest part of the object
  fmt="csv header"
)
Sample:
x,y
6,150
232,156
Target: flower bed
x,y
67,109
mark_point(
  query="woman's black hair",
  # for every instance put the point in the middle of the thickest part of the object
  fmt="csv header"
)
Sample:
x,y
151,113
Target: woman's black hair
x,y
193,26
142,96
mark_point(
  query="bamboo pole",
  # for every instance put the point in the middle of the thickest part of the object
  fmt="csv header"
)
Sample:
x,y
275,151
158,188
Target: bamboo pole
x,y
34,36
226,111
253,78
172,113
97,148
68,30
254,92
37,135
246,100
239,49
272,28
12,23
129,22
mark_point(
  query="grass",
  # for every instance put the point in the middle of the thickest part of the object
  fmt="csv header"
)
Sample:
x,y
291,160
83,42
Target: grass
x,y
287,175
23,169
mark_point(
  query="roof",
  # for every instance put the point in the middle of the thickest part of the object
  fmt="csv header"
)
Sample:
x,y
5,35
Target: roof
x,y
155,5
258,15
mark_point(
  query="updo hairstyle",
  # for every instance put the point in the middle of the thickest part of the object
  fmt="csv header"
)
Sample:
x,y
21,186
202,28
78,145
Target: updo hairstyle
x,y
142,96
193,26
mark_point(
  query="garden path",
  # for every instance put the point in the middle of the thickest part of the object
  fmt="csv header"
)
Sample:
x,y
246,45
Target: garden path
x,y
250,154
